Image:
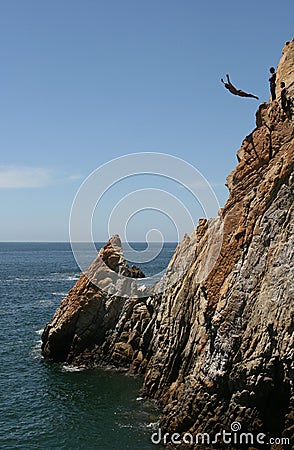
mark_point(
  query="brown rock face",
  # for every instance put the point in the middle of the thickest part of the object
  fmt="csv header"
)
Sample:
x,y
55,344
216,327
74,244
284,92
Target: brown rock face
x,y
222,350
285,70
83,327
218,350
112,255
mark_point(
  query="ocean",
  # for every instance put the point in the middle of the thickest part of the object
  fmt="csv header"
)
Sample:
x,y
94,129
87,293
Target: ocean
x,y
45,405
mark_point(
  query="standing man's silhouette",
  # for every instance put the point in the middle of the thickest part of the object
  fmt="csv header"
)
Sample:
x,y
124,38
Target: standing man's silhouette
x,y
285,100
272,81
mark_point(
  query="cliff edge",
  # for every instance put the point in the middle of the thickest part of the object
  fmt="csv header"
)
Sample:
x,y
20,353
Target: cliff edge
x,y
217,351
222,350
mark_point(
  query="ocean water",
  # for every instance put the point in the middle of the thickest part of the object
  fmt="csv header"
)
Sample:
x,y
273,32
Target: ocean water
x,y
45,405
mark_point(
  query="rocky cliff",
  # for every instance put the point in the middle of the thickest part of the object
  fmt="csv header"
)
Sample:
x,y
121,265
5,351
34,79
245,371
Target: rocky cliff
x,y
220,350
82,329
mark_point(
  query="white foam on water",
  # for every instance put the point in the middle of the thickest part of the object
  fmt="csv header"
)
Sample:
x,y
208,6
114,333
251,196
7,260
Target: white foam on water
x,y
39,332
72,278
153,425
36,349
69,368
126,425
46,302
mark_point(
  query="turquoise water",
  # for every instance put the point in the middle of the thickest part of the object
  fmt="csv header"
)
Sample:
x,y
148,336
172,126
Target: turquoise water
x,y
46,405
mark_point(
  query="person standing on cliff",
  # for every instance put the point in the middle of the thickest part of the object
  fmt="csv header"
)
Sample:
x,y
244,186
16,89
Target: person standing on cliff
x,y
285,101
272,82
236,91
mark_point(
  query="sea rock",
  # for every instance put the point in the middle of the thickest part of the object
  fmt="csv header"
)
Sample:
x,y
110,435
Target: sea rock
x,y
112,255
87,317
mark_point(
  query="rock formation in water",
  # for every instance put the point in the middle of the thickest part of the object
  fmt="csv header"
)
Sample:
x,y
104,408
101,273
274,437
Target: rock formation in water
x,y
218,350
82,328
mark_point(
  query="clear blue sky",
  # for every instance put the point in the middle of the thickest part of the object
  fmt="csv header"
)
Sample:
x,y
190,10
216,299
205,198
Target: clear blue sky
x,y
85,81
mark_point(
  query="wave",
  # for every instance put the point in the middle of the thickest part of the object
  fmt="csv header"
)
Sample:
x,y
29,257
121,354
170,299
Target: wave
x,y
153,425
51,277
46,302
70,368
21,279
39,332
36,349
127,425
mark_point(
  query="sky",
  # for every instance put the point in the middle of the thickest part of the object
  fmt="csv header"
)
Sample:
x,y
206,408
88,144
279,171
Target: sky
x,y
85,82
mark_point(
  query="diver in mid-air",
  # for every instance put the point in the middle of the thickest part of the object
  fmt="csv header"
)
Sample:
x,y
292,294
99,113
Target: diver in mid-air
x,y
236,91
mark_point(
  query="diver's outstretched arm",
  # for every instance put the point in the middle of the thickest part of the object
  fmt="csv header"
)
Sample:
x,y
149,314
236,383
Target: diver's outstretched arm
x,y
245,94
